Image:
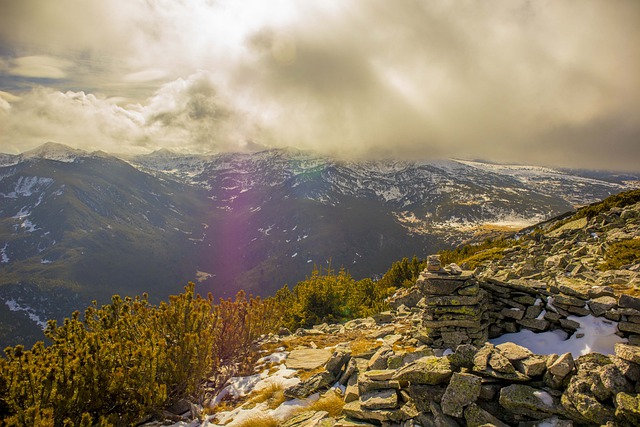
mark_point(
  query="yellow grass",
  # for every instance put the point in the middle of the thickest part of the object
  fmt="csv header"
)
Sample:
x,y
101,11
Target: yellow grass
x,y
259,420
273,394
331,401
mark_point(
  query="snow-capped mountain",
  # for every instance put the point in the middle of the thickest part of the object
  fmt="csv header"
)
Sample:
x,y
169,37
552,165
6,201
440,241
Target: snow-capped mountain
x,y
77,226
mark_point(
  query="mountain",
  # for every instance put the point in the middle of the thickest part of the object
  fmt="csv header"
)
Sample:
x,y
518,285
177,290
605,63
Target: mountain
x,y
78,226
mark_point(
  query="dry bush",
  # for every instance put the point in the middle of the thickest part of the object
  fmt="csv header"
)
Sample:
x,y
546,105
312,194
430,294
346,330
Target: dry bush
x,y
259,420
273,395
331,401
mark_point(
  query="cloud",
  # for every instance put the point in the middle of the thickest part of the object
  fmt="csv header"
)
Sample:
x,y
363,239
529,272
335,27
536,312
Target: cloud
x,y
40,66
515,81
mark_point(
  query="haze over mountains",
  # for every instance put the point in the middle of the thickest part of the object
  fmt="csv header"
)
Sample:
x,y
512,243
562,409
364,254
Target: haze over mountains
x,y
77,226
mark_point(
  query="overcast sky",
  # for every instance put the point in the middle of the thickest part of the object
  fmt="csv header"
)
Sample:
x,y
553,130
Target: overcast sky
x,y
554,82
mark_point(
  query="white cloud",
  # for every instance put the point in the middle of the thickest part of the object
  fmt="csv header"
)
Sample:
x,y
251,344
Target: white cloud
x,y
40,66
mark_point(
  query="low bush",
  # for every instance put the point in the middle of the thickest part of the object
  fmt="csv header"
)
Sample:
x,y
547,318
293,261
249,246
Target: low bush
x,y
621,253
129,359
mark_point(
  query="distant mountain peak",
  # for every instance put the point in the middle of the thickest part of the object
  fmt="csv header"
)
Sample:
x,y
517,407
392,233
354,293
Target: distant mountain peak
x,y
54,151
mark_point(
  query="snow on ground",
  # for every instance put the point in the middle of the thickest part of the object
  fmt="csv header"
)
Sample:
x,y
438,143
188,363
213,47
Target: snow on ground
x,y
597,335
4,258
15,306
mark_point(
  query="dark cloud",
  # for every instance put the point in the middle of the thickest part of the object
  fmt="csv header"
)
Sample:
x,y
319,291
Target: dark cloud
x,y
555,82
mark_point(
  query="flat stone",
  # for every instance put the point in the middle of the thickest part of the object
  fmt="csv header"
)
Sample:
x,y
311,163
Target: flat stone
x,y
307,358
568,300
463,389
378,375
421,395
429,370
525,400
602,304
629,327
355,410
627,352
534,324
570,325
366,385
453,300
627,301
441,285
379,399
337,361
380,357
512,313
441,419
346,422
628,369
513,351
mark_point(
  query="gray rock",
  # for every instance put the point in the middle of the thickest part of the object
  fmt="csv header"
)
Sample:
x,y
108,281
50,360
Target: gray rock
x,y
629,327
475,416
628,369
568,300
532,366
463,389
308,419
569,325
534,324
627,301
379,399
317,382
380,357
429,370
602,304
529,401
441,419
627,352
628,408
562,366
463,356
421,395
513,351
337,360
501,364
307,358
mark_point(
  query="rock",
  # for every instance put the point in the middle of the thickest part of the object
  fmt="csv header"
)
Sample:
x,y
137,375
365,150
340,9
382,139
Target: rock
x,y
407,297
581,403
337,360
379,399
306,388
346,422
627,352
628,369
614,380
308,419
628,408
513,351
512,313
307,358
463,389
379,358
629,327
501,364
627,301
366,385
429,370
568,300
526,400
421,395
601,305
383,317
534,324
532,366
475,416
441,419
569,325
562,366
548,422
355,410
463,356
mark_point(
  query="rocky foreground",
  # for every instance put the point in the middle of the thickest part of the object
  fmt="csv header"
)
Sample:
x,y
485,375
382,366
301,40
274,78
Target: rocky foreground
x,y
428,362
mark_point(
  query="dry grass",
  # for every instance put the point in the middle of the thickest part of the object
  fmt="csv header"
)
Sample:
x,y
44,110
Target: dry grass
x,y
361,346
273,395
259,420
305,375
331,401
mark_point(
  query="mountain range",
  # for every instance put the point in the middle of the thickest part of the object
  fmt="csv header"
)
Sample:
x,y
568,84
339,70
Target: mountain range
x,y
78,226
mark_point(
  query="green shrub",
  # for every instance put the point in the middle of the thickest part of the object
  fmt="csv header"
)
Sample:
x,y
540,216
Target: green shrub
x,y
621,253
128,359
472,253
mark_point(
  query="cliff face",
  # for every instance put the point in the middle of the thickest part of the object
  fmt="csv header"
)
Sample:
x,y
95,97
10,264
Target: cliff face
x,y
443,356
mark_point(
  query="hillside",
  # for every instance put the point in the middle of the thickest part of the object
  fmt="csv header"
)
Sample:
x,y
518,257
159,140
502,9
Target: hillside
x,y
78,226
545,331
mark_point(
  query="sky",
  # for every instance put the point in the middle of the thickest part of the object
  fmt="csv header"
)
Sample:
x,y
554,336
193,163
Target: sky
x,y
549,82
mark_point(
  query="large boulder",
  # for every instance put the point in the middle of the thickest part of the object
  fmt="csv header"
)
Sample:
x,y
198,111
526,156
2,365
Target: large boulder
x,y
430,370
463,390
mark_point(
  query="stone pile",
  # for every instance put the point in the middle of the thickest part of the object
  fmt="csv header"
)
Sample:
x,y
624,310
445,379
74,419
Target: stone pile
x,y
503,385
454,309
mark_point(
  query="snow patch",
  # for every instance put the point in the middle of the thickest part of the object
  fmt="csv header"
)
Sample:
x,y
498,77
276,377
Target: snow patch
x,y
544,397
31,313
4,258
599,337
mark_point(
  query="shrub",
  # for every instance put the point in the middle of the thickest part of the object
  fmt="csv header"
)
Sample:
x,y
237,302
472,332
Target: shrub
x,y
128,359
621,253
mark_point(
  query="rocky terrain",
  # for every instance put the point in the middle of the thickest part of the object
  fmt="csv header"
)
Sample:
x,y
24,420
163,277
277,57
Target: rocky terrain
x,y
443,355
